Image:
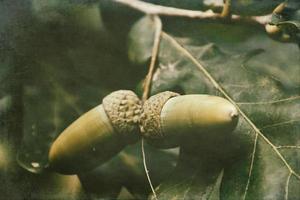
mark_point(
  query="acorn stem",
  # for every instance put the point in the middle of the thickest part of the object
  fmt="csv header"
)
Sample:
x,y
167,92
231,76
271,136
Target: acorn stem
x,y
154,55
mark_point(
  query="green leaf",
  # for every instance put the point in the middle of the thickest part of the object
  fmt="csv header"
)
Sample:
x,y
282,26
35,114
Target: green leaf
x,y
260,77
140,48
63,74
195,176
126,169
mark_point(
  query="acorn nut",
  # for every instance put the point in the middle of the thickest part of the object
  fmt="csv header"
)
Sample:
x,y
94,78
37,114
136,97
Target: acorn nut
x,y
272,29
97,135
168,119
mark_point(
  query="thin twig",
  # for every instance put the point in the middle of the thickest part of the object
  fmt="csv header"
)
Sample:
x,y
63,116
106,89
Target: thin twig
x,y
147,86
157,36
226,13
147,171
153,9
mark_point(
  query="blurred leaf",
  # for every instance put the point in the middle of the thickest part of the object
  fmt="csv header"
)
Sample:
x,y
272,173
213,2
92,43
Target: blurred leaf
x,y
66,73
69,63
140,54
261,159
127,170
254,7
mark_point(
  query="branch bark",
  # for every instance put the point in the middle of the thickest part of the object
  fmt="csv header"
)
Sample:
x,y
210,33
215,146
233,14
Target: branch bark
x,y
153,9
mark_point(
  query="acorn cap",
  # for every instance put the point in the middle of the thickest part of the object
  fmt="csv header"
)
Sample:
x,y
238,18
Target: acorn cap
x,y
123,108
150,123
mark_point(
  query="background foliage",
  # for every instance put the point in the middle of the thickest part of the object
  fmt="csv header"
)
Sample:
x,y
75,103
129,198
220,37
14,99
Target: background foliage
x,y
60,58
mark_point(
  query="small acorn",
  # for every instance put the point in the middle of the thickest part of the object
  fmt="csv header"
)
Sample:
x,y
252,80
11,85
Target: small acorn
x,y
272,29
97,135
168,120
277,32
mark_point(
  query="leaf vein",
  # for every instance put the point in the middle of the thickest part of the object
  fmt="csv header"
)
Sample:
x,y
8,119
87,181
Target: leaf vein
x,y
286,196
270,102
288,147
251,166
280,124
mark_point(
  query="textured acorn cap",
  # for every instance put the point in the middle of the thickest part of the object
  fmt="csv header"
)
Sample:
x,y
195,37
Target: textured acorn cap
x,y
150,123
123,108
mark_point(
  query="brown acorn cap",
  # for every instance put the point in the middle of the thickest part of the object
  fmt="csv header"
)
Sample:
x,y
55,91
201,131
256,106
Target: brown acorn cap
x,y
150,123
123,108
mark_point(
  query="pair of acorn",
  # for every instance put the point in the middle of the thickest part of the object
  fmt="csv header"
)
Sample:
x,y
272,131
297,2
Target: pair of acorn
x,y
165,120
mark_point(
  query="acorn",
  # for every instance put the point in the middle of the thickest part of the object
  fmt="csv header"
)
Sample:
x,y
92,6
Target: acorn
x,y
278,33
272,29
169,120
97,135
